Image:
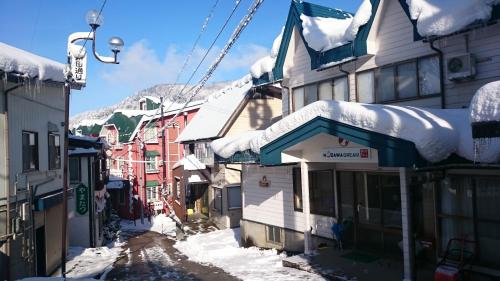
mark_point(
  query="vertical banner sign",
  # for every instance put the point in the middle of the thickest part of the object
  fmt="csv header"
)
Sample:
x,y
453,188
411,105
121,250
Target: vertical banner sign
x,y
82,199
78,64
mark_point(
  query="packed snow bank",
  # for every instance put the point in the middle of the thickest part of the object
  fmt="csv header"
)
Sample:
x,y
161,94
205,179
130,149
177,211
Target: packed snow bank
x,y
226,147
221,249
29,65
160,223
436,133
442,17
322,34
90,262
266,64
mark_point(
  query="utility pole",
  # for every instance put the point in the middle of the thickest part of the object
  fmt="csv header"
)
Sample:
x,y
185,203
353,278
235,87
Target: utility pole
x,y
164,166
65,179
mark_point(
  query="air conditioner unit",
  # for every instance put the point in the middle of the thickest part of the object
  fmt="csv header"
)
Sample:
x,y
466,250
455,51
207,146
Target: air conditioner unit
x,y
460,67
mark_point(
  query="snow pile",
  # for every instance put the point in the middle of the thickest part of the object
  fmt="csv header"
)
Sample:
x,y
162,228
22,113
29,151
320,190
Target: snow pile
x,y
322,34
266,64
160,224
442,17
226,147
29,65
436,133
190,163
221,249
89,262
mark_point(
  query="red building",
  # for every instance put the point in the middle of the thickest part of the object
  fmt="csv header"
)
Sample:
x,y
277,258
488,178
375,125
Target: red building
x,y
136,153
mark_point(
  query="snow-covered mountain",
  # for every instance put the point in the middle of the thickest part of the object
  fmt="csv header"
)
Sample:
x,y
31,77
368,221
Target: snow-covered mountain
x,y
167,91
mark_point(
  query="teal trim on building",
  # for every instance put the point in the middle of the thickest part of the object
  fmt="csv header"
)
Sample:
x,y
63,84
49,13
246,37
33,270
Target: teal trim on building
x,y
125,125
151,105
152,153
247,157
356,48
152,183
48,201
392,152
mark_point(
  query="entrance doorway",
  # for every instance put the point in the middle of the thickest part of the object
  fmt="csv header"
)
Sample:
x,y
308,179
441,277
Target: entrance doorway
x,y
372,201
40,252
198,198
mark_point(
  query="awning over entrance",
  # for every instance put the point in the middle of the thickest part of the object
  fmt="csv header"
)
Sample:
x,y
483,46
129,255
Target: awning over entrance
x,y
390,151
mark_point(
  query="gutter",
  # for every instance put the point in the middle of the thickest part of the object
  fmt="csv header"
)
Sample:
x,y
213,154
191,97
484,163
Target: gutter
x,y
10,234
441,72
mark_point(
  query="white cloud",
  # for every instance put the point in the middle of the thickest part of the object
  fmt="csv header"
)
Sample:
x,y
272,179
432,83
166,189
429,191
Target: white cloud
x,y
141,66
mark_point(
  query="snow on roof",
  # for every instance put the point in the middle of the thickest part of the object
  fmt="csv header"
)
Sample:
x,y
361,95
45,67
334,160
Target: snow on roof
x,y
442,17
322,34
90,122
30,65
436,133
216,112
190,163
266,64
226,147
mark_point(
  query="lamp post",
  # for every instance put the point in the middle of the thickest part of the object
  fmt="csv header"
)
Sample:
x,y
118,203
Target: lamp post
x,y
75,74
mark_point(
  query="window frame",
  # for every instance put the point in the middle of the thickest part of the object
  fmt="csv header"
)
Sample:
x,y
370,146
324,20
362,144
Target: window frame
x,y
149,193
57,149
296,172
79,166
395,65
37,151
149,162
312,188
275,230
215,190
331,81
228,200
154,137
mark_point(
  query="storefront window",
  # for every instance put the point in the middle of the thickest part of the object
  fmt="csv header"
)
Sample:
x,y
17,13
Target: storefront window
x,y
321,193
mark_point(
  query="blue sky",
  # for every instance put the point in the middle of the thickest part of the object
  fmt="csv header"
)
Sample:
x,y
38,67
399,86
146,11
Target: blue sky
x,y
158,35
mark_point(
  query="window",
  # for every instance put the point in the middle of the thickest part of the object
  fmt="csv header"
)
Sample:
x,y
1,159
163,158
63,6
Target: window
x,y
365,85
151,135
460,217
273,234
321,192
322,196
428,76
325,90
406,80
336,89
217,199
119,163
54,151
74,170
151,164
297,190
30,151
341,89
234,197
151,193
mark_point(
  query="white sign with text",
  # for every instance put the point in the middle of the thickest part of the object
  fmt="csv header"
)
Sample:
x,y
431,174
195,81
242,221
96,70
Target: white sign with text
x,y
336,154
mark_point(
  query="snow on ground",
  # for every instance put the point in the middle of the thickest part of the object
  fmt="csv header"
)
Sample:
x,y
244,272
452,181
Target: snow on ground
x,y
90,262
323,34
160,223
442,17
30,65
221,249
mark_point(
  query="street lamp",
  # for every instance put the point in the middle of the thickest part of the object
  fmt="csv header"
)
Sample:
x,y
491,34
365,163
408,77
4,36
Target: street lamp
x,y
76,74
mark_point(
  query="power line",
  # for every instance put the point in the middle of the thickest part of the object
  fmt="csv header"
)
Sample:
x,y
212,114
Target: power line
x,y
235,35
238,2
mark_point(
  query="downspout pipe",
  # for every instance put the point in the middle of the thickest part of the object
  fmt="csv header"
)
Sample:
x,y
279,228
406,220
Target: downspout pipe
x,y
7,165
441,72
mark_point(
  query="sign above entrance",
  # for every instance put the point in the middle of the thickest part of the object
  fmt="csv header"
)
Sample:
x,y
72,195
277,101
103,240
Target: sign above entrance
x,y
349,154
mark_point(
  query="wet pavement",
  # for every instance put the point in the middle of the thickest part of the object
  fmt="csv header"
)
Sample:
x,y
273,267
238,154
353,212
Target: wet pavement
x,y
151,256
